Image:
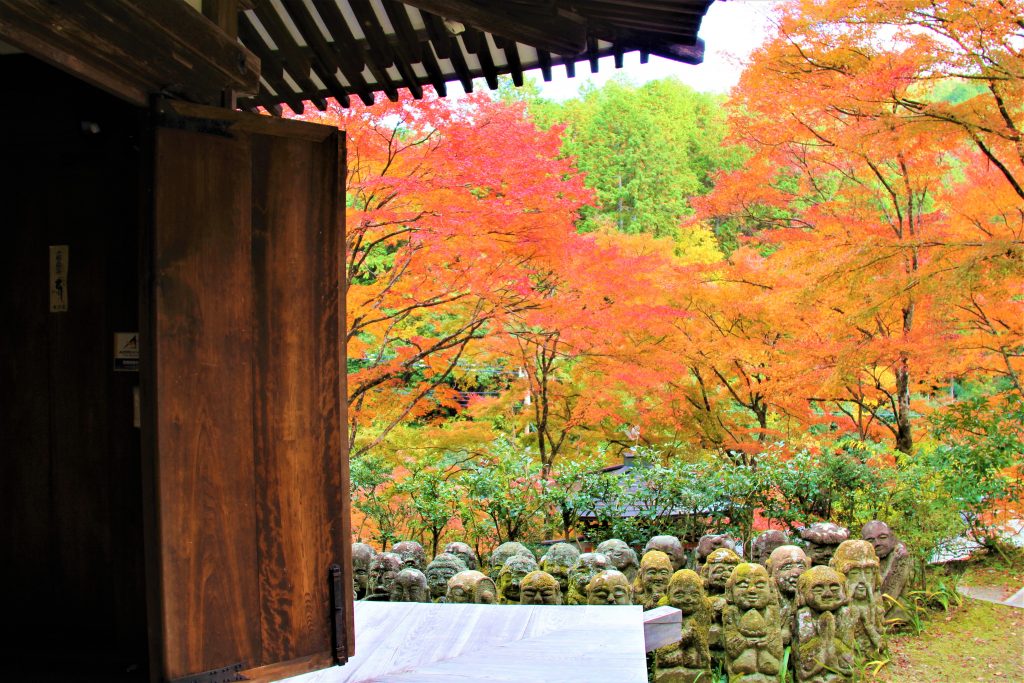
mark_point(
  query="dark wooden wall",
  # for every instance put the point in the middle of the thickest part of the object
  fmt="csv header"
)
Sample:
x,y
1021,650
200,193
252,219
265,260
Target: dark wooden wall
x,y
71,561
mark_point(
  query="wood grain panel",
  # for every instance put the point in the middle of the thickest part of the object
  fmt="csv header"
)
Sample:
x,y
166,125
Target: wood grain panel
x,y
203,347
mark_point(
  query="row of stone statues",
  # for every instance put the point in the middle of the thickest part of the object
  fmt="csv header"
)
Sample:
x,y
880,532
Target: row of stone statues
x,y
825,602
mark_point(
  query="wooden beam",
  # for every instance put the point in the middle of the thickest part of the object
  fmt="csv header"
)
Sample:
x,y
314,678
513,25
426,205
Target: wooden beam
x,y
224,13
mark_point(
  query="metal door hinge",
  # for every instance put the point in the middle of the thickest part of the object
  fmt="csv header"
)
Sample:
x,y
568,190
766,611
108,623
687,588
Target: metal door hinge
x,y
338,614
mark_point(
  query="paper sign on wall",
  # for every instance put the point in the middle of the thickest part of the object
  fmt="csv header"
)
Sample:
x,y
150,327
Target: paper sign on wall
x,y
58,278
126,351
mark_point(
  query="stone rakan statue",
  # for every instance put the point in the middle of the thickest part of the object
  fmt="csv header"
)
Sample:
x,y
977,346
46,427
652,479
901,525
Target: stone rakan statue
x,y
362,554
439,571
751,626
687,661
410,585
856,560
716,572
463,551
895,564
557,561
622,557
709,543
471,586
539,588
822,539
510,578
383,569
652,581
786,564
502,553
412,554
823,644
610,587
764,543
584,569
671,546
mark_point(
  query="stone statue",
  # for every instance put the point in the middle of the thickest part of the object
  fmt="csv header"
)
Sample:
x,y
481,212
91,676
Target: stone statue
x,y
410,585
539,588
822,539
895,564
622,557
471,586
764,543
610,587
716,572
383,569
751,626
856,560
671,546
440,569
786,564
502,553
463,551
362,554
557,561
688,660
708,543
651,582
511,576
580,575
823,640
412,554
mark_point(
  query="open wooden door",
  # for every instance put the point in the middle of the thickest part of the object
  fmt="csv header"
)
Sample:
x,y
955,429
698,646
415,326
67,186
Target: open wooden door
x,y
243,360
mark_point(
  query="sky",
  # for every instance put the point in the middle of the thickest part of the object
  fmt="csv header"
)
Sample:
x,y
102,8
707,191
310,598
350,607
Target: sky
x,y
731,30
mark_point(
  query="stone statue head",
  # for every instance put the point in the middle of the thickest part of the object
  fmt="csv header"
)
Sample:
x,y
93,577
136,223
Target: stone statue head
x,y
717,569
610,587
620,554
822,539
857,561
823,589
510,578
655,572
539,588
765,542
786,564
879,535
709,543
471,586
361,556
440,569
412,554
463,551
557,561
750,587
686,594
502,553
410,585
383,569
671,546
584,569
485,592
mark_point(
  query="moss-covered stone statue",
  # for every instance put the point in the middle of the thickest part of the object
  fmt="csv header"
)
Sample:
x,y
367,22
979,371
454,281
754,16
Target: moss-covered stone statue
x,y
471,586
510,578
764,543
610,587
709,543
856,560
671,546
383,569
751,626
439,571
580,574
557,561
412,554
822,539
410,585
716,572
463,551
688,660
895,564
539,588
651,582
823,643
622,557
786,564
362,554
502,553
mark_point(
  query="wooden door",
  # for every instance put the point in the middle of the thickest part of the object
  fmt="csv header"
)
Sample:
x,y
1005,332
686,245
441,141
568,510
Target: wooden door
x,y
243,308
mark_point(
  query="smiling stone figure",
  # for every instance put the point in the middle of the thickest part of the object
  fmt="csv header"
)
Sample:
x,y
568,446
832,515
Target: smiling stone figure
x,y
857,561
511,576
383,569
688,660
557,562
362,554
786,564
622,557
585,568
539,588
652,581
610,587
751,626
716,572
823,641
439,571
